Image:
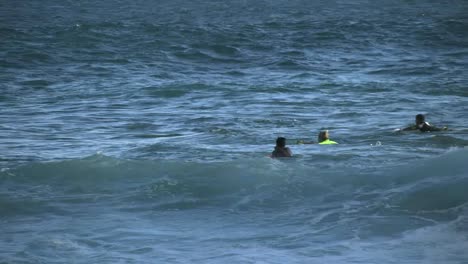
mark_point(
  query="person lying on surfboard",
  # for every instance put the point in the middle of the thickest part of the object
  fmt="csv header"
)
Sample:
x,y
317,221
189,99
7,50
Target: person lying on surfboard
x,y
422,125
281,151
323,139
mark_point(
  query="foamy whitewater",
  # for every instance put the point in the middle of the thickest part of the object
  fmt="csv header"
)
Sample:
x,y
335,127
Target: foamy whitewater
x,y
139,131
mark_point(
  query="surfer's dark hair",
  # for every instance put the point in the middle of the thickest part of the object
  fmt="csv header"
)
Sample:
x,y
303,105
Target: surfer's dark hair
x,y
281,142
420,117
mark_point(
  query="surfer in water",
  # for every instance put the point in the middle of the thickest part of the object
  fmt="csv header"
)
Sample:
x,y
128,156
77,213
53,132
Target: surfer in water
x,y
281,151
422,125
323,138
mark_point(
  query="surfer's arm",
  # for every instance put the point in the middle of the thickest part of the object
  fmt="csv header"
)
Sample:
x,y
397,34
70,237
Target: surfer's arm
x,y
433,128
429,127
410,128
299,142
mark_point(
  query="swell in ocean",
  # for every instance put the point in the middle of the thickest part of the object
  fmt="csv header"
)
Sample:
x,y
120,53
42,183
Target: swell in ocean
x,y
432,184
287,208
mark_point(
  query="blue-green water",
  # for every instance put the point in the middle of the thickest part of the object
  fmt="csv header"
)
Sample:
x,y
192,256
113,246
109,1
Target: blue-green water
x,y
138,132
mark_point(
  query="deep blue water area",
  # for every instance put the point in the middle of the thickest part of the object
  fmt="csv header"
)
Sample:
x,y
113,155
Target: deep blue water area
x,y
139,131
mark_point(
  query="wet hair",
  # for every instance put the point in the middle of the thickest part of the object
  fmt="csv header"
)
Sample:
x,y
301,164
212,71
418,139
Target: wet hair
x,y
281,142
323,135
420,117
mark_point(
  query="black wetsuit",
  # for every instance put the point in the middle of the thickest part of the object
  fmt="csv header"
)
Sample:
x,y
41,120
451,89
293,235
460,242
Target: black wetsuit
x,y
424,127
281,152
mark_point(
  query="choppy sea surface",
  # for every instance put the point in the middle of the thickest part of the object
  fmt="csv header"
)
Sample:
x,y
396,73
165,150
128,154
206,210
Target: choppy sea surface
x,y
139,131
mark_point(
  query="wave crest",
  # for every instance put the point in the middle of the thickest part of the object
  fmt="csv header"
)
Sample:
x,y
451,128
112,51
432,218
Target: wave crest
x,y
428,185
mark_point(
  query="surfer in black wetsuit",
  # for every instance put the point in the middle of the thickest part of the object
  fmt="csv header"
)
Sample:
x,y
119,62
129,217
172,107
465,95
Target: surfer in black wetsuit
x,y
281,150
422,125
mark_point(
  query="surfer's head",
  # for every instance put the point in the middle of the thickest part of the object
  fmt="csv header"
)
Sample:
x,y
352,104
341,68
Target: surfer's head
x,y
281,142
420,119
323,135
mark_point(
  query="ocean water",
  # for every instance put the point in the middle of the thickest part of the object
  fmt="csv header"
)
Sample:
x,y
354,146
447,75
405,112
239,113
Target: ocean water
x,y
139,131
